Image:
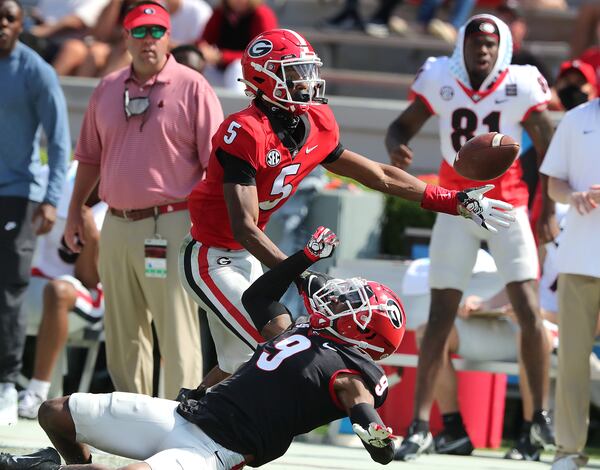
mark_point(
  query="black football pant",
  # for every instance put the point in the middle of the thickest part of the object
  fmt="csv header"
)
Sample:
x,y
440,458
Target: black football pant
x,y
17,242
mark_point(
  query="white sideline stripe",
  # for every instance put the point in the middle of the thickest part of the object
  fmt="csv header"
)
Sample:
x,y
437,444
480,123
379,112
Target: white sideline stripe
x,y
198,280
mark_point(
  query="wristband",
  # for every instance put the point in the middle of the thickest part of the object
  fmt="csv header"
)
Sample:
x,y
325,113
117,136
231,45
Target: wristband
x,y
438,199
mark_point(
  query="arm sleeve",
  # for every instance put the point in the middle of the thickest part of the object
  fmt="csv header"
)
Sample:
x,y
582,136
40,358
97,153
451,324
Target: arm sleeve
x,y
261,299
210,115
556,161
334,154
538,91
236,170
51,108
422,85
89,146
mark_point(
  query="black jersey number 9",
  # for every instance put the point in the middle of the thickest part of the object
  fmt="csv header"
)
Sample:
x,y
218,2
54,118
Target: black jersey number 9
x,y
464,125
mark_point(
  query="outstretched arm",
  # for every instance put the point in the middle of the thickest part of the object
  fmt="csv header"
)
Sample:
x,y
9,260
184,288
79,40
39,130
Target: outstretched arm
x,y
470,203
261,299
358,402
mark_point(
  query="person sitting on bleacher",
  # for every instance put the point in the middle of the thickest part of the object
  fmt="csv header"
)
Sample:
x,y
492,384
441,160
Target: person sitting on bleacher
x,y
64,294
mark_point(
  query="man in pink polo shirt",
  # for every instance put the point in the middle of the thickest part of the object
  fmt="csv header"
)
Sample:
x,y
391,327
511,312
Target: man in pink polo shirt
x,y
146,136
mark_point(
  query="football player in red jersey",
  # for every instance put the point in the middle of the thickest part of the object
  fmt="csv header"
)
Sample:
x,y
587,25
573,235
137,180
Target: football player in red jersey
x,y
259,155
477,90
320,369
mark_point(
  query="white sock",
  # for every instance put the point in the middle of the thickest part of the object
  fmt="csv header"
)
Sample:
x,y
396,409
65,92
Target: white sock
x,y
39,387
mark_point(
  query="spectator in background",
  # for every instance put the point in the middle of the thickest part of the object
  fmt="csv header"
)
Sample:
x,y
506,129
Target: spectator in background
x,y
379,25
148,156
104,50
574,178
233,24
510,12
461,10
575,85
30,98
64,294
55,21
190,56
188,20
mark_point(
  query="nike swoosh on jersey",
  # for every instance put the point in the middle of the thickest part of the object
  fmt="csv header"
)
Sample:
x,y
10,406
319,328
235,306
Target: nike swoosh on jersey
x,y
310,149
326,345
501,101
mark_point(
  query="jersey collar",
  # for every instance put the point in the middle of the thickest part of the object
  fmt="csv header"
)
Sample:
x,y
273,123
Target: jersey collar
x,y
477,95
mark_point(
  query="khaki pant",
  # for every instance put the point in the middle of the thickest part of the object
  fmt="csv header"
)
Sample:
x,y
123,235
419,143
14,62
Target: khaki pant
x,y
578,307
133,301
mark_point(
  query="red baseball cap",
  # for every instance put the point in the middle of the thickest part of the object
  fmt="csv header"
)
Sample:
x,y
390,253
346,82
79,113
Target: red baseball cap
x,y
147,14
585,69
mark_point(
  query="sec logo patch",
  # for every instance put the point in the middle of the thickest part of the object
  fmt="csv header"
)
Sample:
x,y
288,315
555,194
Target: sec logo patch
x,y
273,158
447,93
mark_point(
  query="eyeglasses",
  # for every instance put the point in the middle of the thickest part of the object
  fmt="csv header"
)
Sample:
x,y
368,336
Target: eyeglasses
x,y
156,32
135,106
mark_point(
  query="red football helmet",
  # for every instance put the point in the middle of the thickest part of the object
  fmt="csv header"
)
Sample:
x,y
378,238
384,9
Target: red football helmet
x,y
282,67
364,313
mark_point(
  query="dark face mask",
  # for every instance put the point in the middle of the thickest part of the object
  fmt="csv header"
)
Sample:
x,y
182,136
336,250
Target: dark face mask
x,y
572,96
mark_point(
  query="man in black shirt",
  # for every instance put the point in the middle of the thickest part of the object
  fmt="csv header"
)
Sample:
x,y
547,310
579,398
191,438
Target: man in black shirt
x,y
318,370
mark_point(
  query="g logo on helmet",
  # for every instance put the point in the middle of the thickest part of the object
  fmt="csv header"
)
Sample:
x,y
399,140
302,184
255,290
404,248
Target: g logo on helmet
x,y
260,48
394,312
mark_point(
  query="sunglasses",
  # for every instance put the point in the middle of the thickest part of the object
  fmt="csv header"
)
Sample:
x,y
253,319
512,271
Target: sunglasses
x,y
156,32
10,18
135,106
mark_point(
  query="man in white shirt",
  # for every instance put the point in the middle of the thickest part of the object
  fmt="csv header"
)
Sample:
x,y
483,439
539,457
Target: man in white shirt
x,y
571,164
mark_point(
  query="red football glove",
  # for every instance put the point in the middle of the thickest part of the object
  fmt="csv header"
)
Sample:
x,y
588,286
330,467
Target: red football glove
x,y
321,245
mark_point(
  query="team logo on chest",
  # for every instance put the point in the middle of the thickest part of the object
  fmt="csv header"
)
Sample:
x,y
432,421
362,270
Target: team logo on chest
x,y
447,93
273,158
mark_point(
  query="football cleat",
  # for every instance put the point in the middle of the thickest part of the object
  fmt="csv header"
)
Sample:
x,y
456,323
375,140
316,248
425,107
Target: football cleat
x,y
524,449
43,459
542,431
458,443
414,444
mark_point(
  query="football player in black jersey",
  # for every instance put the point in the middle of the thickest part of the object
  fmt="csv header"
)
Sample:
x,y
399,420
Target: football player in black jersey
x,y
318,370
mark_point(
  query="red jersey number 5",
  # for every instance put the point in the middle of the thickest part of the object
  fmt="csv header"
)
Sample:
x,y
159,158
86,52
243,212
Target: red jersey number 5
x,y
280,188
231,132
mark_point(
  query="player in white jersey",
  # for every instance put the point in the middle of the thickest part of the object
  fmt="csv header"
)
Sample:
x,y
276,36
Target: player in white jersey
x,y
476,90
63,296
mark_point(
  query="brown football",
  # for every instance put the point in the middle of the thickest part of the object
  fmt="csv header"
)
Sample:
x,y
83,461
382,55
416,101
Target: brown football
x,y
486,156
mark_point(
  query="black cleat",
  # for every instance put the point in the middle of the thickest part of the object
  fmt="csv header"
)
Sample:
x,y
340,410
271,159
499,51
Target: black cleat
x,y
458,443
524,449
414,444
44,459
542,431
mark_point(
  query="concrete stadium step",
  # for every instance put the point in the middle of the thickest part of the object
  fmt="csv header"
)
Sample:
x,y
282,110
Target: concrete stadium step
x,y
344,82
543,25
358,51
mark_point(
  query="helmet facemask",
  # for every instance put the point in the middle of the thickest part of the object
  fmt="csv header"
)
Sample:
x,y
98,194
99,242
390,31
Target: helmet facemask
x,y
297,82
